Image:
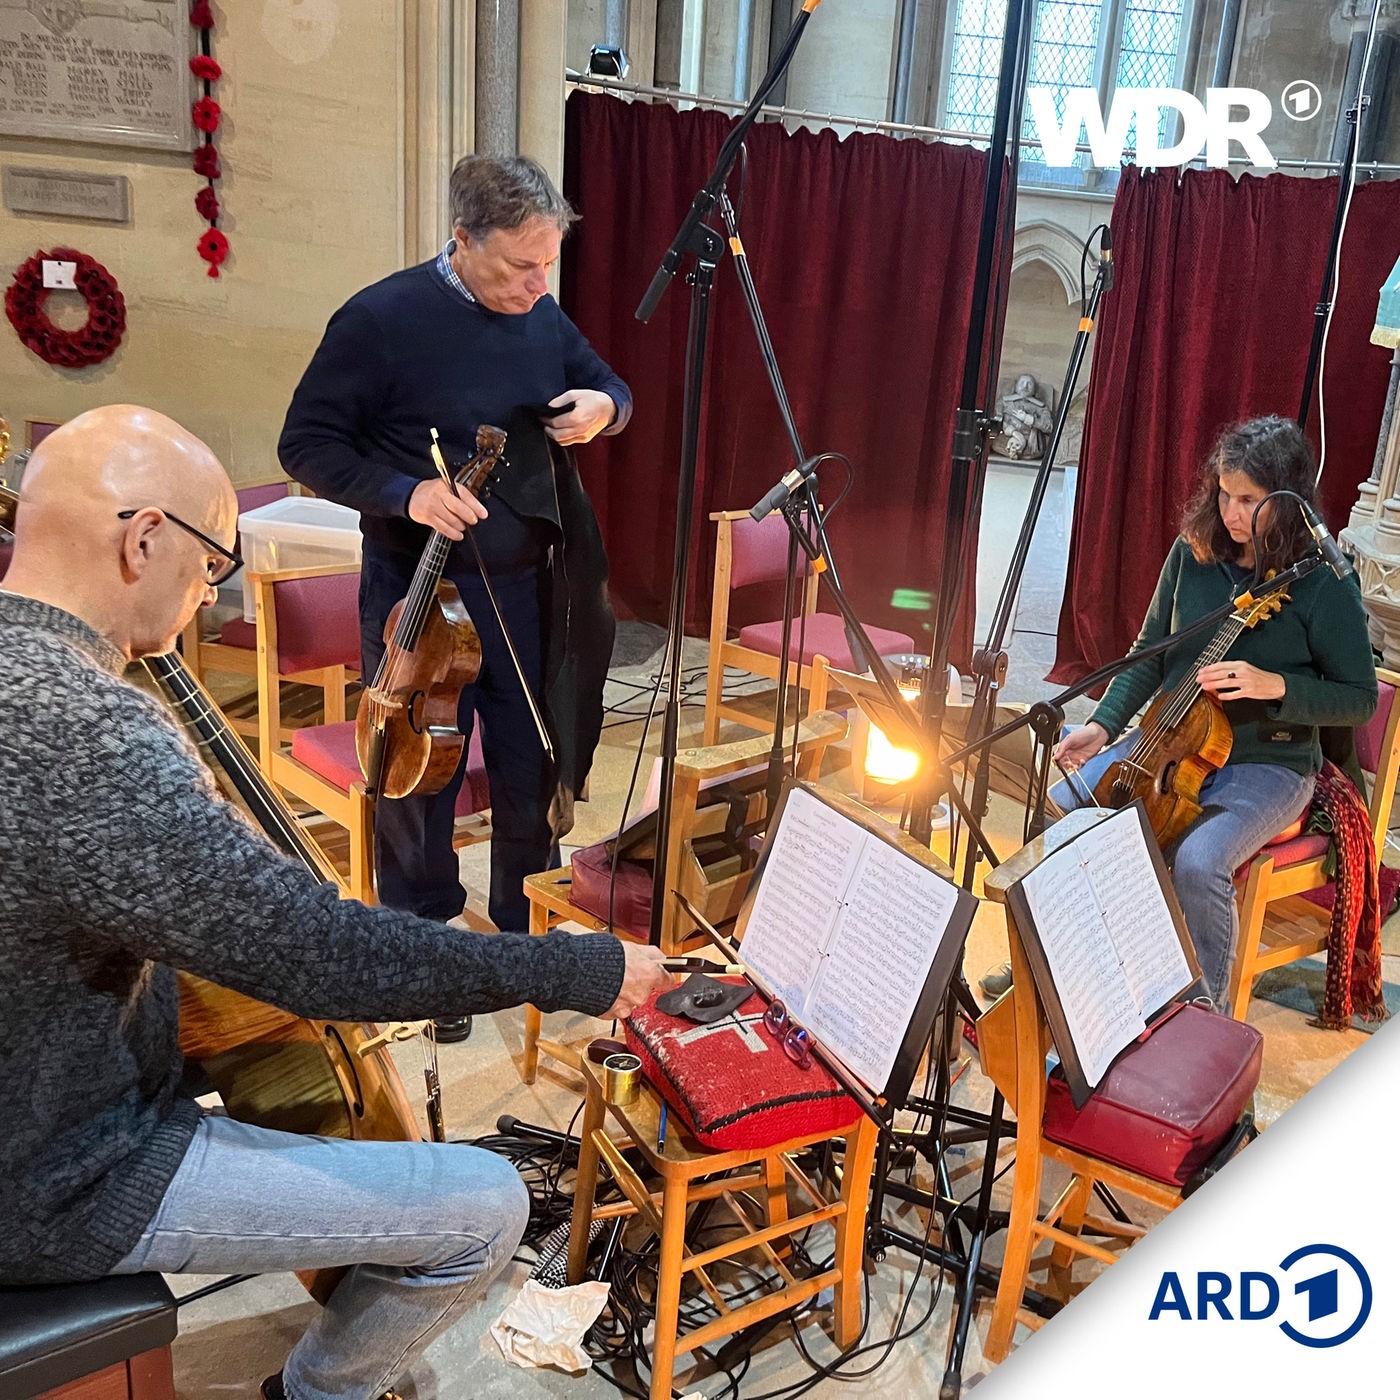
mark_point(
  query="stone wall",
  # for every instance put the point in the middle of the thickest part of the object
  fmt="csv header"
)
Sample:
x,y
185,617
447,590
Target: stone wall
x,y
312,208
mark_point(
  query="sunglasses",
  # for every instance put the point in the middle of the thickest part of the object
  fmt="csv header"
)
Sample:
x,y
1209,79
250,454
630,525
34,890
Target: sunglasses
x,y
215,571
796,1040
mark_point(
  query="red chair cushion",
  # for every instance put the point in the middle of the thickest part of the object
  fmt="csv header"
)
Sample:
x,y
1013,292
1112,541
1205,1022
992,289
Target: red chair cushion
x,y
1370,735
328,750
1168,1102
318,622
591,869
825,636
732,1084
238,633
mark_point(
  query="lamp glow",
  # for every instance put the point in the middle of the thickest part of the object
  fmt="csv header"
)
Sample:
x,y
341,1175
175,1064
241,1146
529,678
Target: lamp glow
x,y
884,763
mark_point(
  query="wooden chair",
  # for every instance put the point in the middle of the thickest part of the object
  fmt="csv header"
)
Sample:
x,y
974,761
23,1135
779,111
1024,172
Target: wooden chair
x,y
106,1340
690,1174
308,624
717,894
1277,927
234,650
748,552
1013,1040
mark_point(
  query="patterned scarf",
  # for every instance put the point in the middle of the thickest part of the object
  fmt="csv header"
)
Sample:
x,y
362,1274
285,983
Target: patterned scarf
x,y
1354,938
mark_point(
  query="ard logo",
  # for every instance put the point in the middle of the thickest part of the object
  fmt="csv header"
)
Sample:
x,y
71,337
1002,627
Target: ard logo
x,y
1321,1296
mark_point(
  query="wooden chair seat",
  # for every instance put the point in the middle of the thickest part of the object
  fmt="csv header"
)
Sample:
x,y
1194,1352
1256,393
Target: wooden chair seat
x,y
1277,927
755,552
690,1174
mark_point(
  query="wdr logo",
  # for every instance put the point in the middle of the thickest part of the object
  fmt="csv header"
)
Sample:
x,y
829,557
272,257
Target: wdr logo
x,y
1312,1299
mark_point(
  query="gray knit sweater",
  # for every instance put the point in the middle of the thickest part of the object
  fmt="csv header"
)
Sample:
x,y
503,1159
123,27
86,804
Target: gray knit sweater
x,y
119,863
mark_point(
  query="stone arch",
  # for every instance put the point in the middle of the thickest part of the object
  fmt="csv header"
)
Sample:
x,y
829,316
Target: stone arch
x,y
1053,245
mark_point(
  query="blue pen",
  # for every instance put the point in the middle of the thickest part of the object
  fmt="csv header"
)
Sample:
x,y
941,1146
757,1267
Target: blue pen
x,y
661,1129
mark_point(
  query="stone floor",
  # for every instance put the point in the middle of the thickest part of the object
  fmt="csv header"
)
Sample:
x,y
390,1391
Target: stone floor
x,y
230,1340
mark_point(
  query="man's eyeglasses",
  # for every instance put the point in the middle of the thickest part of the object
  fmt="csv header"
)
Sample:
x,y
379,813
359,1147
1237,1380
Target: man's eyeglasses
x,y
796,1040
216,571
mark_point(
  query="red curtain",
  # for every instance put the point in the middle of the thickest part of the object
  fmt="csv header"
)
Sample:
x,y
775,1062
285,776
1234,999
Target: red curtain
x,y
862,250
1209,322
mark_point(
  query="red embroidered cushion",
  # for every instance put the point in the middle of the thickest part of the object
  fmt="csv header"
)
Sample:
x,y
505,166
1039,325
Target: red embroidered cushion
x,y
731,1082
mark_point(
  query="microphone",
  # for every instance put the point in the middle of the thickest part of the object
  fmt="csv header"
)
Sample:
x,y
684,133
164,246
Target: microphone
x,y
1106,257
1328,547
781,493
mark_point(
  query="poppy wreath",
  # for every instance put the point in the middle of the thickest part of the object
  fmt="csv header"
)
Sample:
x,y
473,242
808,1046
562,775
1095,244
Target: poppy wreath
x,y
92,342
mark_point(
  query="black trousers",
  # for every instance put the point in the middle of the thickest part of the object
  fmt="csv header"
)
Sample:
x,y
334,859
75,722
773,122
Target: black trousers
x,y
416,865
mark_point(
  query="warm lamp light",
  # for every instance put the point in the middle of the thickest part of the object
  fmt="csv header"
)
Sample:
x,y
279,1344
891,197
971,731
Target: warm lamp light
x,y
883,762
1387,328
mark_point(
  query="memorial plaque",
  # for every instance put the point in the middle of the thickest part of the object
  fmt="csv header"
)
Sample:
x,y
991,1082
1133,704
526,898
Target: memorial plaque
x,y
89,70
71,194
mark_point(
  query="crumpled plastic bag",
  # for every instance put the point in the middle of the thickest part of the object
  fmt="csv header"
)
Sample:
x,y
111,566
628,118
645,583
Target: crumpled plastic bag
x,y
546,1326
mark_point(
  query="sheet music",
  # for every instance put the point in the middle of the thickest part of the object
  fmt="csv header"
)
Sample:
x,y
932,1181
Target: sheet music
x,y
798,899
1101,1012
1129,895
896,913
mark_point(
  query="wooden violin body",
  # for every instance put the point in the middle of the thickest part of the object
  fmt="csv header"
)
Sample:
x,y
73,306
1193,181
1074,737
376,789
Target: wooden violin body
x,y
1183,738
422,745
1170,783
406,734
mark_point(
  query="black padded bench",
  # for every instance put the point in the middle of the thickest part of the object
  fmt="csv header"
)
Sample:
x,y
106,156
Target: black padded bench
x,y
108,1340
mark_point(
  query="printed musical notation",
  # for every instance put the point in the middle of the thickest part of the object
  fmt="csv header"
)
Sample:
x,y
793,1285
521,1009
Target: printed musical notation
x,y
1100,917
844,928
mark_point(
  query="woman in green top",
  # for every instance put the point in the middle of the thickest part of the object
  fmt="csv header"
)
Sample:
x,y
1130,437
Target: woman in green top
x,y
1308,666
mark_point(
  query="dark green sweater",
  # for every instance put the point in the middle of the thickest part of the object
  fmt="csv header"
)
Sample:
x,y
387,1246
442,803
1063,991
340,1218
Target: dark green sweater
x,y
1318,642
119,862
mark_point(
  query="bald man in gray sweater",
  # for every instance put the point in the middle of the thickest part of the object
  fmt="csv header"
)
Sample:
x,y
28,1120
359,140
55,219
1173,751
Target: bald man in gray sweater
x,y
122,864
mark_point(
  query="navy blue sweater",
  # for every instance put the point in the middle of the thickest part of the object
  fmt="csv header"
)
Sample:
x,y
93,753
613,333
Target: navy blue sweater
x,y
411,353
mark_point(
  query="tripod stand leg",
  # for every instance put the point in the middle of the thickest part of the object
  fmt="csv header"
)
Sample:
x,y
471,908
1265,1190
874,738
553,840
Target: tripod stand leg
x,y
965,1294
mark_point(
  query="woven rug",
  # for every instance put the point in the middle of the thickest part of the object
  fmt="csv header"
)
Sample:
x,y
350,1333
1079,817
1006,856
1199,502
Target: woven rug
x,y
1299,986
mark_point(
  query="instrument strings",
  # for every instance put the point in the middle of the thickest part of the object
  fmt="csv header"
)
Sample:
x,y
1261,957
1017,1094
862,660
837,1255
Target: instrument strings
x,y
420,595
1184,696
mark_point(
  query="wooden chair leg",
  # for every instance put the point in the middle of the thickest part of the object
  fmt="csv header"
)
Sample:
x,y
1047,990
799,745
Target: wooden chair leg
x,y
668,1286
152,1375
585,1182
859,1161
775,1199
361,827
1062,1256
539,924
1252,909
1020,1239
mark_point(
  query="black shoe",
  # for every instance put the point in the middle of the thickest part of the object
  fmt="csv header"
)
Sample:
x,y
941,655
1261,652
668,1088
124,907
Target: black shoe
x,y
449,1030
272,1390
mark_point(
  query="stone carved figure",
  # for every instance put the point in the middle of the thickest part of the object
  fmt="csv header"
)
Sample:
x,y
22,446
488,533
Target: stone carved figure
x,y
1026,419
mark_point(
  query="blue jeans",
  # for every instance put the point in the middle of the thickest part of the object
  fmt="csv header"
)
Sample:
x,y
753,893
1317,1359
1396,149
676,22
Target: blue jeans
x,y
425,1227
1243,805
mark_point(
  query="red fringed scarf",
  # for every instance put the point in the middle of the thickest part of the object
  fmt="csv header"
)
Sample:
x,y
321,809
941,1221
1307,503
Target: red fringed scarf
x,y
1354,938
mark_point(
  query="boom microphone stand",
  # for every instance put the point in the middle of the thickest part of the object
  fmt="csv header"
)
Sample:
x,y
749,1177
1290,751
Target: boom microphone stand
x,y
696,239
989,664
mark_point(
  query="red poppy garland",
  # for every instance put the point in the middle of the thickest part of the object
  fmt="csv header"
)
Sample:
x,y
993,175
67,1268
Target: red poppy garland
x,y
92,342
206,114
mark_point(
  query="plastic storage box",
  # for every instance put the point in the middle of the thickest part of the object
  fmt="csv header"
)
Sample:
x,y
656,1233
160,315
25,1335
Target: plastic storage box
x,y
296,532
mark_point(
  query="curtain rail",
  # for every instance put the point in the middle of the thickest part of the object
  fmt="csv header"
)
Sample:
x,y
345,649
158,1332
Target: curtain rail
x,y
972,138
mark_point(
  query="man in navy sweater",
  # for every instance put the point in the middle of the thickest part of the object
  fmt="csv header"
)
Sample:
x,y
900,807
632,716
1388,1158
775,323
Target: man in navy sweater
x,y
473,337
